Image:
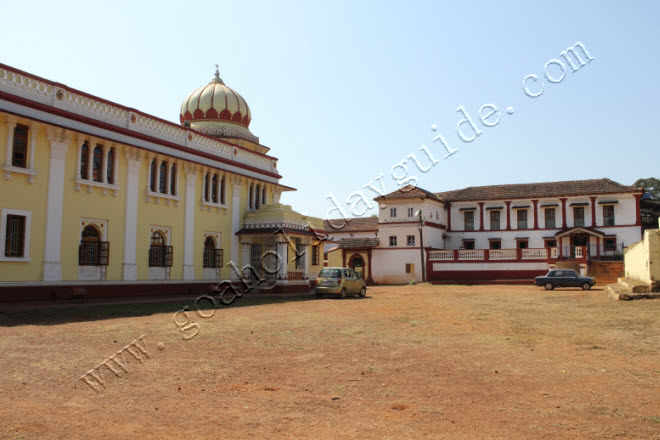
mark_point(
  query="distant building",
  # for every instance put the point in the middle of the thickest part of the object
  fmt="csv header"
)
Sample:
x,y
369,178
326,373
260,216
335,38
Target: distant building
x,y
500,232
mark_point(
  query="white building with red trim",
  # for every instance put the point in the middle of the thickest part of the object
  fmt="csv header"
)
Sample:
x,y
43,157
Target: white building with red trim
x,y
499,232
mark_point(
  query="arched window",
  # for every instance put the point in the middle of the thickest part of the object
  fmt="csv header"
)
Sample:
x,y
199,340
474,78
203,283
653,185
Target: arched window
x,y
92,251
110,175
205,194
212,256
152,182
263,196
214,189
173,180
97,164
84,161
160,255
257,193
162,184
250,194
222,190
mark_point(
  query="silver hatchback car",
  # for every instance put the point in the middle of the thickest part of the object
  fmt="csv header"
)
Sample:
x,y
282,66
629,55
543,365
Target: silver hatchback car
x,y
340,281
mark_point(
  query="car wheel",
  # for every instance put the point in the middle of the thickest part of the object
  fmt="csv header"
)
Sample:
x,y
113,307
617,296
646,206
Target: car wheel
x,y
342,294
318,294
363,292
586,286
549,286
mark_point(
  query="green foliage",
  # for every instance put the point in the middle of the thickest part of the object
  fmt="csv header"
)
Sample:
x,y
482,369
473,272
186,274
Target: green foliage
x,y
651,186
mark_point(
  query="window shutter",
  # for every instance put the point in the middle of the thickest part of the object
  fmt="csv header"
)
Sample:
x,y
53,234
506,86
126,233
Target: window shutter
x,y
81,261
153,256
218,258
168,256
104,256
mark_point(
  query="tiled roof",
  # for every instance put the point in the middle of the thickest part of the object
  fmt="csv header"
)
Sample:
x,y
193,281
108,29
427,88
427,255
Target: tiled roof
x,y
358,242
409,192
355,224
531,190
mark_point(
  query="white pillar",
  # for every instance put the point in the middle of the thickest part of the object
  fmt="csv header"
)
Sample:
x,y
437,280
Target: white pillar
x,y
81,142
168,175
34,130
115,169
189,226
90,160
59,144
104,167
304,263
11,125
133,163
176,180
157,186
283,259
235,221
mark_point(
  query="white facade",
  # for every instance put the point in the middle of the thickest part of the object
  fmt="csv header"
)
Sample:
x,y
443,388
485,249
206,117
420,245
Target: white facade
x,y
532,233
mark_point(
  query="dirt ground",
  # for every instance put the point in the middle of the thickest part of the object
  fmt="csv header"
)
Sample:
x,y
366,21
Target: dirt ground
x,y
407,362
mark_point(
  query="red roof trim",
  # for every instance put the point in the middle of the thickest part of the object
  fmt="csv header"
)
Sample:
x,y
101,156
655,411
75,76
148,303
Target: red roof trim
x,y
128,132
130,109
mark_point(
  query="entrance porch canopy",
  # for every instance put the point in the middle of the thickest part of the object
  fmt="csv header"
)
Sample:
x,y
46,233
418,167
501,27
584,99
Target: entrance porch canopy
x,y
579,230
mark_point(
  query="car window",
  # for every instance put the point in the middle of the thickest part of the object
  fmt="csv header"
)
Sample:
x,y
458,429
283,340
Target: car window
x,y
347,273
330,273
552,273
353,274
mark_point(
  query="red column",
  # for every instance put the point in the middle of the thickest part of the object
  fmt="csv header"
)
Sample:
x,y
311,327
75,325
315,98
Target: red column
x,y
563,212
508,215
593,212
535,203
598,247
481,216
448,205
638,219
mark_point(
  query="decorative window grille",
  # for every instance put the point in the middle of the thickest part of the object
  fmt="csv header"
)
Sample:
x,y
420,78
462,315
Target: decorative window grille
x,y
92,251
15,236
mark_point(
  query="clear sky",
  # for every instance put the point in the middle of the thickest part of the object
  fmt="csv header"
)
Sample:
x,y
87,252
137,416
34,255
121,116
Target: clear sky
x,y
343,91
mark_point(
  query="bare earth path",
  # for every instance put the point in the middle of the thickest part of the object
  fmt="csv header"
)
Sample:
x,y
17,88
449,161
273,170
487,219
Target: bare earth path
x,y
455,362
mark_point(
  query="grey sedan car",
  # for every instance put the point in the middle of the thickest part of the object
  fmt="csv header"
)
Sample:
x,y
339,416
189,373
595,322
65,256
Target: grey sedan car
x,y
564,278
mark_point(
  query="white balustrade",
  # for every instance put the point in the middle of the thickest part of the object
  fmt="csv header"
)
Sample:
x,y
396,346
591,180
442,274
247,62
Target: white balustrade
x,y
502,254
471,254
441,255
534,254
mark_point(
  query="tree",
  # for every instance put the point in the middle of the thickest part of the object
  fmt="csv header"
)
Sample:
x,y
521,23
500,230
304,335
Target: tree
x,y
651,186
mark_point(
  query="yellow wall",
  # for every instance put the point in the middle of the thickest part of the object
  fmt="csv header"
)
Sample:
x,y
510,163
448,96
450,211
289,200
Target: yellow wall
x,y
96,205
82,203
17,193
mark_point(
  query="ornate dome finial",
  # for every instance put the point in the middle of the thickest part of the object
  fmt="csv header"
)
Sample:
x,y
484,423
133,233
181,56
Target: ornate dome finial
x,y
216,78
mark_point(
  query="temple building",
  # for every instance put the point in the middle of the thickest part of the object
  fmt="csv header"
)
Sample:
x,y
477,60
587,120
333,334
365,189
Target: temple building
x,y
101,199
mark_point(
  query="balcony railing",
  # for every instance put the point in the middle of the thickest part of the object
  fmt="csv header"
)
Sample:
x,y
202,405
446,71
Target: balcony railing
x,y
592,252
540,254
